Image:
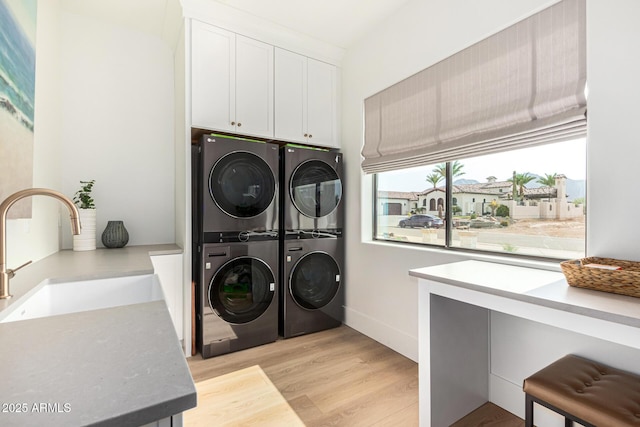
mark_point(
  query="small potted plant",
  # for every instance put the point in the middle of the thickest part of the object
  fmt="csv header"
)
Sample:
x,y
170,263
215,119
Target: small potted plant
x,y
86,240
82,198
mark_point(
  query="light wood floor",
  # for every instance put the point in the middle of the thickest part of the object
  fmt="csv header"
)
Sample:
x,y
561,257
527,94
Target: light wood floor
x,y
489,415
241,398
340,377
337,377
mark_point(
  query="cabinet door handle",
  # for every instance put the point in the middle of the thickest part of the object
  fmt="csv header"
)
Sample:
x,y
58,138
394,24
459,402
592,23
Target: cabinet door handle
x,y
310,136
306,135
233,123
239,124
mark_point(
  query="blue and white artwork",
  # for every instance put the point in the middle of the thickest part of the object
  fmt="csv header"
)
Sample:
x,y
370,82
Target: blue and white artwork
x,y
17,99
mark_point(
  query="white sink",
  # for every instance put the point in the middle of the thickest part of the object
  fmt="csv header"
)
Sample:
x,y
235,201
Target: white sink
x,y
53,298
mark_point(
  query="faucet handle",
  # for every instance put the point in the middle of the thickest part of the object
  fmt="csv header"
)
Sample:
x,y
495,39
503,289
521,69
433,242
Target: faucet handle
x,y
12,271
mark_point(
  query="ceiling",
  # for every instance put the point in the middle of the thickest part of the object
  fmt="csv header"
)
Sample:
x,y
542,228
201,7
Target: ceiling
x,y
337,22
160,18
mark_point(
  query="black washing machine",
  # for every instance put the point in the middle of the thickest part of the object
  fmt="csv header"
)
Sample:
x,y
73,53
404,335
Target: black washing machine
x,y
236,187
313,181
312,295
237,302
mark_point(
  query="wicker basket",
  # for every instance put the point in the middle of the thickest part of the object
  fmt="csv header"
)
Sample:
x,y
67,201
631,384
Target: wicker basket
x,y
625,281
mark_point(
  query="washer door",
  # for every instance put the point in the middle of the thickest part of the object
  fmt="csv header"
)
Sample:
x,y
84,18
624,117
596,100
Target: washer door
x,y
315,189
314,280
242,184
241,290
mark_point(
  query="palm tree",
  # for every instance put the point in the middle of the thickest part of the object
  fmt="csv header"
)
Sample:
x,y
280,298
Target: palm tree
x,y
549,180
456,169
521,179
434,178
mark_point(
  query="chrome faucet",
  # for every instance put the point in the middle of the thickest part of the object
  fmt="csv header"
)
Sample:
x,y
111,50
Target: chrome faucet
x,y
5,273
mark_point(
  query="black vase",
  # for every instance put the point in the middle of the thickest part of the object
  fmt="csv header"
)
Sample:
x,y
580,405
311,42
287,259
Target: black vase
x,y
115,235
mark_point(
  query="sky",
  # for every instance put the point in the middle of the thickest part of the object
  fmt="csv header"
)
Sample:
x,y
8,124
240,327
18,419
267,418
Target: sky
x,y
567,158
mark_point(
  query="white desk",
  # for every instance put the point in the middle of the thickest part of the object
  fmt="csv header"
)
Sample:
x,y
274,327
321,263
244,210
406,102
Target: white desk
x,y
455,305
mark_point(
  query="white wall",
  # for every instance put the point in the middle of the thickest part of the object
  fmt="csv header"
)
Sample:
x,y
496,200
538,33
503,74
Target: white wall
x,y
613,149
118,125
104,111
381,298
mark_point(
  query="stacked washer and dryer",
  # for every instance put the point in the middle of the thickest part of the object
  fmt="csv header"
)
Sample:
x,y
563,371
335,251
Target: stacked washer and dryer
x,y
236,241
312,292
267,242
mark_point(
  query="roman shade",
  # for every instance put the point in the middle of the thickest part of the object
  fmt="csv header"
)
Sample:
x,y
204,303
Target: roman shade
x,y
521,87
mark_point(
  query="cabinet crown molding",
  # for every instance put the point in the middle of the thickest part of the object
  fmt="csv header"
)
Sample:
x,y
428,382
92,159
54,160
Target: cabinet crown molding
x,y
240,22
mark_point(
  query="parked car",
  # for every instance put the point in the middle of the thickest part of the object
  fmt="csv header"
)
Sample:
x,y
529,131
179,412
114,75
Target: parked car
x,y
422,221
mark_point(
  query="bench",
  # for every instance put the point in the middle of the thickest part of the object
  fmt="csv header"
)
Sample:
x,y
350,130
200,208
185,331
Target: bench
x,y
586,392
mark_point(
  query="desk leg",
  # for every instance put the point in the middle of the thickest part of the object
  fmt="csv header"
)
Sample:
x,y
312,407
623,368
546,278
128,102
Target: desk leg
x,y
457,357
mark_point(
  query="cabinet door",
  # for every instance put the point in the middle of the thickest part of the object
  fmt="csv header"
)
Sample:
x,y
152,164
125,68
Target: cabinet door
x,y
291,96
254,87
213,77
321,103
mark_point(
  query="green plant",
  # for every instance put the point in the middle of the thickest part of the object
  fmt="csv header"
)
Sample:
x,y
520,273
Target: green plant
x,y
520,180
549,180
502,210
434,179
456,169
82,198
508,247
473,216
504,223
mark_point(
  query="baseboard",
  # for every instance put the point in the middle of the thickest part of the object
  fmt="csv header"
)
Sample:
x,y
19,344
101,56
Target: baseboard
x,y
391,337
506,395
510,396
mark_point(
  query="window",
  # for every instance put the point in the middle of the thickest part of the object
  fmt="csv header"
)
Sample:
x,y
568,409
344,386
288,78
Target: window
x,y
527,202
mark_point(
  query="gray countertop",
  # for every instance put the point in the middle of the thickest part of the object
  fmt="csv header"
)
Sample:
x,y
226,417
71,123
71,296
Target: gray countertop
x,y
536,286
120,366
70,265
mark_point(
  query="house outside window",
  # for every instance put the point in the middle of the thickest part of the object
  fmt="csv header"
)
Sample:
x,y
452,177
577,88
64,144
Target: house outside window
x,y
528,202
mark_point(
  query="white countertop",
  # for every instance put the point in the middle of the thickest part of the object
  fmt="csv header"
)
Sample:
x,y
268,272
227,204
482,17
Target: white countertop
x,y
536,286
457,348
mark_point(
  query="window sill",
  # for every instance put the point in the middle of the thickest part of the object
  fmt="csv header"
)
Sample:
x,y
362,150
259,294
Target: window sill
x,y
464,255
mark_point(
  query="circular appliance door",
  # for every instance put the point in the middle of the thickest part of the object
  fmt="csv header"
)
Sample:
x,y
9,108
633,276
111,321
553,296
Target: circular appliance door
x,y
315,189
314,280
242,184
241,290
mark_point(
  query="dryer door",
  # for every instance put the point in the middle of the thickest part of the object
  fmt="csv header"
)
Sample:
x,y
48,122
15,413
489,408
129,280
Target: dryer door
x,y
314,280
242,184
315,189
241,290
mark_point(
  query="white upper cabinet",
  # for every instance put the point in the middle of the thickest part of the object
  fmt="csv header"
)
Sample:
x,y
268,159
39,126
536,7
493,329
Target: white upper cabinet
x,y
232,82
321,103
305,100
213,92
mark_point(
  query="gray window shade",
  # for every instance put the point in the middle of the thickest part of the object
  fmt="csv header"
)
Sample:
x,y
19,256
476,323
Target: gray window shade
x,y
520,87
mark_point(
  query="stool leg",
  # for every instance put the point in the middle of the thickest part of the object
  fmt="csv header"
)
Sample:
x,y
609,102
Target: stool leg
x,y
568,422
528,410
